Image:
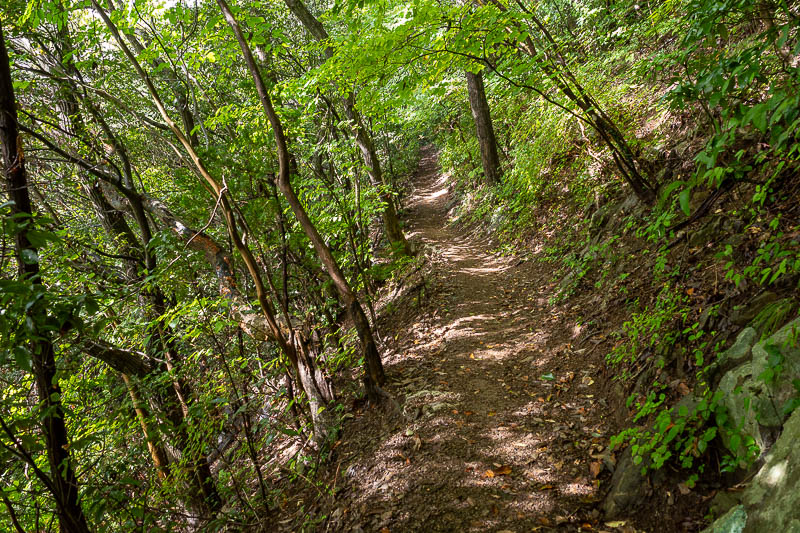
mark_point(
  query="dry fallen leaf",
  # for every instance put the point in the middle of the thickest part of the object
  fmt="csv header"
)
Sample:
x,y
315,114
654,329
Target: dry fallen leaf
x,y
595,468
499,470
684,489
503,470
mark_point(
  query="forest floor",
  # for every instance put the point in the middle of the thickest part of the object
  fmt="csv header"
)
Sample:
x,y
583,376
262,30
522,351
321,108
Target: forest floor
x,y
501,422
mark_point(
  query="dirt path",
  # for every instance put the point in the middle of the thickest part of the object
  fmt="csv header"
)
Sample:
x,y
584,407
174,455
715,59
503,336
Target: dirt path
x,y
502,427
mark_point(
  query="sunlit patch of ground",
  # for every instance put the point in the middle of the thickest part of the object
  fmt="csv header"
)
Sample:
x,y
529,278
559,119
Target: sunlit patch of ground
x,y
493,429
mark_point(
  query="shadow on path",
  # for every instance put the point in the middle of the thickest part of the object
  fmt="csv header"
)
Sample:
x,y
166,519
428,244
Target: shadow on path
x,y
500,420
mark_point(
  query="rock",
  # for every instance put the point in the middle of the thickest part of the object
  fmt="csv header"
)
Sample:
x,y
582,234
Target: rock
x,y
781,390
599,220
706,318
628,205
741,350
739,353
732,225
627,488
744,314
421,393
740,389
724,501
708,231
753,399
436,407
683,150
770,501
733,521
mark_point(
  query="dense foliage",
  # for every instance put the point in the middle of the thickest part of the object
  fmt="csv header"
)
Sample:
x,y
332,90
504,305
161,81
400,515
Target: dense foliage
x,y
215,194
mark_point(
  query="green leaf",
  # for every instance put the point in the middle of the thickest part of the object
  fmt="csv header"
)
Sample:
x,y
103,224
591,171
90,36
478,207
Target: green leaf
x,y
775,356
29,256
39,238
23,358
665,193
548,377
683,199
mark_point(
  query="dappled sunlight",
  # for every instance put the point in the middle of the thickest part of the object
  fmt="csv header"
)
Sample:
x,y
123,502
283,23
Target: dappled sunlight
x,y
776,473
493,430
434,195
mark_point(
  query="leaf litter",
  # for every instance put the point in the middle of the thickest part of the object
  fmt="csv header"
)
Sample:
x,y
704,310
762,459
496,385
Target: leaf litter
x,y
493,448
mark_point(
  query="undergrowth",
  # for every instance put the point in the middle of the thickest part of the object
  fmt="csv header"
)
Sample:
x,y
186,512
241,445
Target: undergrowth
x,y
719,211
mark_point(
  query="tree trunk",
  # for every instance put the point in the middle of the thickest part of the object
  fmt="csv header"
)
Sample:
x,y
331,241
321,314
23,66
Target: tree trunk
x,y
374,375
227,209
63,481
483,128
366,144
139,260
557,70
157,452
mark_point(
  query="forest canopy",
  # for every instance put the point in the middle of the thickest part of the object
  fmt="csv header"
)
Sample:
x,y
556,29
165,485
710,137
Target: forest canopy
x,y
203,207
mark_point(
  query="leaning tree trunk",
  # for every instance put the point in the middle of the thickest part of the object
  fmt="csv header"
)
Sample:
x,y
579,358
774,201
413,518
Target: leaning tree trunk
x,y
483,128
366,144
373,375
205,497
557,71
227,209
63,481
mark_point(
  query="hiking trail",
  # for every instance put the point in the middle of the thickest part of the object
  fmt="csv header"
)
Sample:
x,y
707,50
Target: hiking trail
x,y
503,428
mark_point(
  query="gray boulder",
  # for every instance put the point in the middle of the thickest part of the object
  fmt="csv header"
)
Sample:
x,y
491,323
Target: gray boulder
x,y
770,502
740,352
781,390
628,488
754,392
741,390
734,521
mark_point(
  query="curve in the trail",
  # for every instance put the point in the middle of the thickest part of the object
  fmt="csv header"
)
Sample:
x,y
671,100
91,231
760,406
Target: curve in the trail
x,y
501,428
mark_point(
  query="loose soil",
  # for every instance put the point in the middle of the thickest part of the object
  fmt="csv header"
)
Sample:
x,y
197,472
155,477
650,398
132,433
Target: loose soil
x,y
500,410
501,421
